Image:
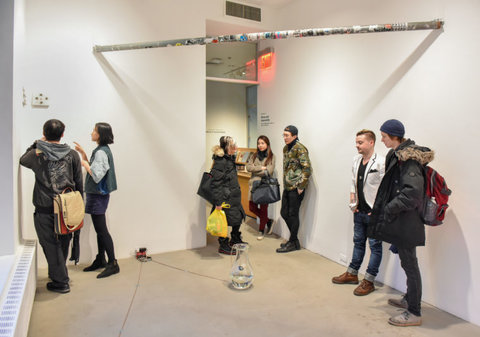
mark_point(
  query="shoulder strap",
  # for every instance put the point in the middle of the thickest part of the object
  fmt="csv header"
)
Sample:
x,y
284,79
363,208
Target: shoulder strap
x,y
432,180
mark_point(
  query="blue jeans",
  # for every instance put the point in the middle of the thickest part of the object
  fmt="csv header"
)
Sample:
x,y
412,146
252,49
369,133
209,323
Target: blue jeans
x,y
360,221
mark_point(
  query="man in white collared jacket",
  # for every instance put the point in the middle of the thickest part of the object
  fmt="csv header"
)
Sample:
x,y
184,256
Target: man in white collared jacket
x,y
367,173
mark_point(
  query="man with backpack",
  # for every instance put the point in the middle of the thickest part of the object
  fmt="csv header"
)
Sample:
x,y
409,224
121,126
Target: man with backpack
x,y
56,167
397,213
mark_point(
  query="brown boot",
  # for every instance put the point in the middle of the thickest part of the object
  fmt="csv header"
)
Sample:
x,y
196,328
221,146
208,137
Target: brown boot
x,y
365,288
345,278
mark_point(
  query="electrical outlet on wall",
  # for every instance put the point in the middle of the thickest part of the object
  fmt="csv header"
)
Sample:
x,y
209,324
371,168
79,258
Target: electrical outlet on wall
x,y
24,97
40,100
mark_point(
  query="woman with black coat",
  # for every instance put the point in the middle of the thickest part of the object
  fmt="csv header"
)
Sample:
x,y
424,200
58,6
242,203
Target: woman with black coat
x,y
226,189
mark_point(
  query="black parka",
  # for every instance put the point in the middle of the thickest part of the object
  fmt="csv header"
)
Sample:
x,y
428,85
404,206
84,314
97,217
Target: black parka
x,y
396,214
225,186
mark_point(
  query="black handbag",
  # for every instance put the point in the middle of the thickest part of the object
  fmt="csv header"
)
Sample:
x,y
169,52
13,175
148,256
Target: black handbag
x,y
205,188
266,190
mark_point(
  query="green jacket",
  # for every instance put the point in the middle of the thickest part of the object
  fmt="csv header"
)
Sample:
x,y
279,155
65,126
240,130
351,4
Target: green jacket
x,y
296,167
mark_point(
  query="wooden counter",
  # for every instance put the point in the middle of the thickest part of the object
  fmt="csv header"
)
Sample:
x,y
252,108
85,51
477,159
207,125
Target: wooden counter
x,y
243,155
243,178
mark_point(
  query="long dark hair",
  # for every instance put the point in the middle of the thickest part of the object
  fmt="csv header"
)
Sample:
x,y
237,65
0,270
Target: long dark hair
x,y
269,149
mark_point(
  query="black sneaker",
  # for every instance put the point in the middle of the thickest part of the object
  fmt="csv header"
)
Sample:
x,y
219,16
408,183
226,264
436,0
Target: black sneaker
x,y
62,289
295,243
289,247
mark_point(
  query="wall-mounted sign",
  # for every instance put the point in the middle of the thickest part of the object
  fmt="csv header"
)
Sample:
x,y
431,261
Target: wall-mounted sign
x,y
265,119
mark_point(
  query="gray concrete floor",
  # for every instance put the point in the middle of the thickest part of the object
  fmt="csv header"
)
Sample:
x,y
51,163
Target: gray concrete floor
x,y
188,293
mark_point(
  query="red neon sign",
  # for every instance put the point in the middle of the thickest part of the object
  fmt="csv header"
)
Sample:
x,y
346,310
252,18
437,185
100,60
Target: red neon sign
x,y
266,61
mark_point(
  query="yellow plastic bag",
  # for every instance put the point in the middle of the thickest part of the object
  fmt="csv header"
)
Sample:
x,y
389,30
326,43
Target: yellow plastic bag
x,y
217,222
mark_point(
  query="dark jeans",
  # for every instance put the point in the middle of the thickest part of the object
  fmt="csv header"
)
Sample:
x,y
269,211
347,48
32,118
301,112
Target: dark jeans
x,y
409,262
361,221
261,211
55,247
291,202
104,239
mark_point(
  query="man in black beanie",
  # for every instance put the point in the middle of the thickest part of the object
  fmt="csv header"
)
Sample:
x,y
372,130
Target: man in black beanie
x,y
396,215
296,172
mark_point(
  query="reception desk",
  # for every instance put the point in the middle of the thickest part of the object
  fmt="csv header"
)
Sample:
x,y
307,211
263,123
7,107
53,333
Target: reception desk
x,y
243,178
243,155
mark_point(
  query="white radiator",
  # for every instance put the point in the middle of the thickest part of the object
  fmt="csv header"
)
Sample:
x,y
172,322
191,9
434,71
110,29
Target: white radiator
x,y
19,293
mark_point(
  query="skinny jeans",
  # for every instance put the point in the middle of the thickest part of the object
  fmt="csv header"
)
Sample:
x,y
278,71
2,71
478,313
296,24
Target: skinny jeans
x,y
261,211
290,211
409,263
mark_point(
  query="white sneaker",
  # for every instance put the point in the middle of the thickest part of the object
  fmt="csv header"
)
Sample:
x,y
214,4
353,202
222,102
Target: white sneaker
x,y
261,236
406,318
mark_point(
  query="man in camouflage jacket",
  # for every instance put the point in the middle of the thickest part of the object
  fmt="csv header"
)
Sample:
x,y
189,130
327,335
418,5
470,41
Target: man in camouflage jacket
x,y
296,172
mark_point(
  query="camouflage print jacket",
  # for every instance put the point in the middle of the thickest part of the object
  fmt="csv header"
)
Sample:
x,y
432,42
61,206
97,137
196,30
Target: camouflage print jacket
x,y
296,167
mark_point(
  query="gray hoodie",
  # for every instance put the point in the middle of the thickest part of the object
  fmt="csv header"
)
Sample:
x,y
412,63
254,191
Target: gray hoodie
x,y
56,167
53,151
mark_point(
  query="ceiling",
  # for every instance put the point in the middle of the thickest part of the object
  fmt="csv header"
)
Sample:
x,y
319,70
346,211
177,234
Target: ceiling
x,y
268,3
222,59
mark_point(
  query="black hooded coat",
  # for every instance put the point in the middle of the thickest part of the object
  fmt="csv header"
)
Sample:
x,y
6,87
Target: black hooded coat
x,y
396,214
225,186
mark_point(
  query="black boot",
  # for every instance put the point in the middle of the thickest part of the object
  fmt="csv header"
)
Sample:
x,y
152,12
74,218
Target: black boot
x,y
98,263
225,247
112,268
236,238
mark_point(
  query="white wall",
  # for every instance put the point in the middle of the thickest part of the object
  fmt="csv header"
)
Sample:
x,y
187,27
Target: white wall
x,y
331,87
226,115
8,237
154,99
328,86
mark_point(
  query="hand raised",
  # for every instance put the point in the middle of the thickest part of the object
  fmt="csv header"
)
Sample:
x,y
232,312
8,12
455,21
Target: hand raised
x,y
78,147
